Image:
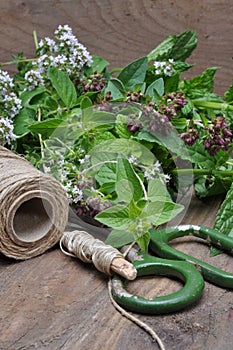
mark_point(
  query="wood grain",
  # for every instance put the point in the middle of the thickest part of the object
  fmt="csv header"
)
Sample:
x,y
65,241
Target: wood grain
x,y
55,302
121,31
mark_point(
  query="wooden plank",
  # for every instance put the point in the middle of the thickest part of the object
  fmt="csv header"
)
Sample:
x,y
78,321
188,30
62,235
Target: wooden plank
x,y
121,31
56,302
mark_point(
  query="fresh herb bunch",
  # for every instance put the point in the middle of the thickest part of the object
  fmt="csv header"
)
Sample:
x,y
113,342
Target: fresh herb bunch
x,y
125,142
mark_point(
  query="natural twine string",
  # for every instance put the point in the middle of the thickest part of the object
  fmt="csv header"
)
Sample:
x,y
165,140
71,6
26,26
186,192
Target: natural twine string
x,y
82,245
89,249
33,208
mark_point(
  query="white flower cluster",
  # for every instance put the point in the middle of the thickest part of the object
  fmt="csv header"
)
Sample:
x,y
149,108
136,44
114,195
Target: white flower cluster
x,y
10,106
34,79
155,171
64,53
6,132
164,68
64,170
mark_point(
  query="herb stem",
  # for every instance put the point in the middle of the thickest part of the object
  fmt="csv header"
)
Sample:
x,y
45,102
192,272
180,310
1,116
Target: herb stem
x,y
40,137
8,63
213,105
203,172
35,39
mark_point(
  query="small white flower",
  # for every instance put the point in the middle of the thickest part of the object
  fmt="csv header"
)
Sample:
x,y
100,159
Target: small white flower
x,y
83,160
132,159
163,67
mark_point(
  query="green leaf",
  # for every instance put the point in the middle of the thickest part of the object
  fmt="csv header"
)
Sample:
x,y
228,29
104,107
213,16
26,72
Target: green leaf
x,y
46,127
134,210
157,191
179,47
134,73
116,217
106,174
121,127
63,86
224,219
128,186
98,64
126,148
93,119
85,102
198,155
23,121
229,94
155,90
118,238
160,212
144,241
27,96
198,85
116,88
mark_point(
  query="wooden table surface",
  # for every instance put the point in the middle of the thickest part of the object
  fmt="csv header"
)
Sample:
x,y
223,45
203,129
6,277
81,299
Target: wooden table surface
x,y
56,302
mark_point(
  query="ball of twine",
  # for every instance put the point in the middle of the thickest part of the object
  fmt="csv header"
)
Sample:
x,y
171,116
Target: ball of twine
x,y
33,208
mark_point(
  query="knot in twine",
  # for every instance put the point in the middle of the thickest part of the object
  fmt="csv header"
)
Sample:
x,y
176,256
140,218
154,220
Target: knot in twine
x,y
84,246
33,208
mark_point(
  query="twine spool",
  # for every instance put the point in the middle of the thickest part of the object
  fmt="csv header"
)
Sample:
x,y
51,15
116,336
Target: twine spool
x,y
33,208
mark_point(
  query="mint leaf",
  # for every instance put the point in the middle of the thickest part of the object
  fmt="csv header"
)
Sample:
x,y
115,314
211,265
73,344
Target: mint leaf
x,y
144,241
160,212
201,84
46,127
158,191
134,73
27,96
85,102
125,148
119,238
106,174
128,186
155,90
98,64
63,86
179,47
116,217
134,210
121,128
229,94
23,121
224,219
116,87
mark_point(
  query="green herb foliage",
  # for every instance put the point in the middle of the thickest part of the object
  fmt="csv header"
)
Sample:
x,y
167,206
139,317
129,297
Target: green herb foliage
x,y
124,143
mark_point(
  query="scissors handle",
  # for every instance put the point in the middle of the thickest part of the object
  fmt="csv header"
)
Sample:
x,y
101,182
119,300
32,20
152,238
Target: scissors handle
x,y
159,244
187,295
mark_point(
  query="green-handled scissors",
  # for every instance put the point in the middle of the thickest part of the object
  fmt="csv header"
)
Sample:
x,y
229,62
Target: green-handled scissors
x,y
188,269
